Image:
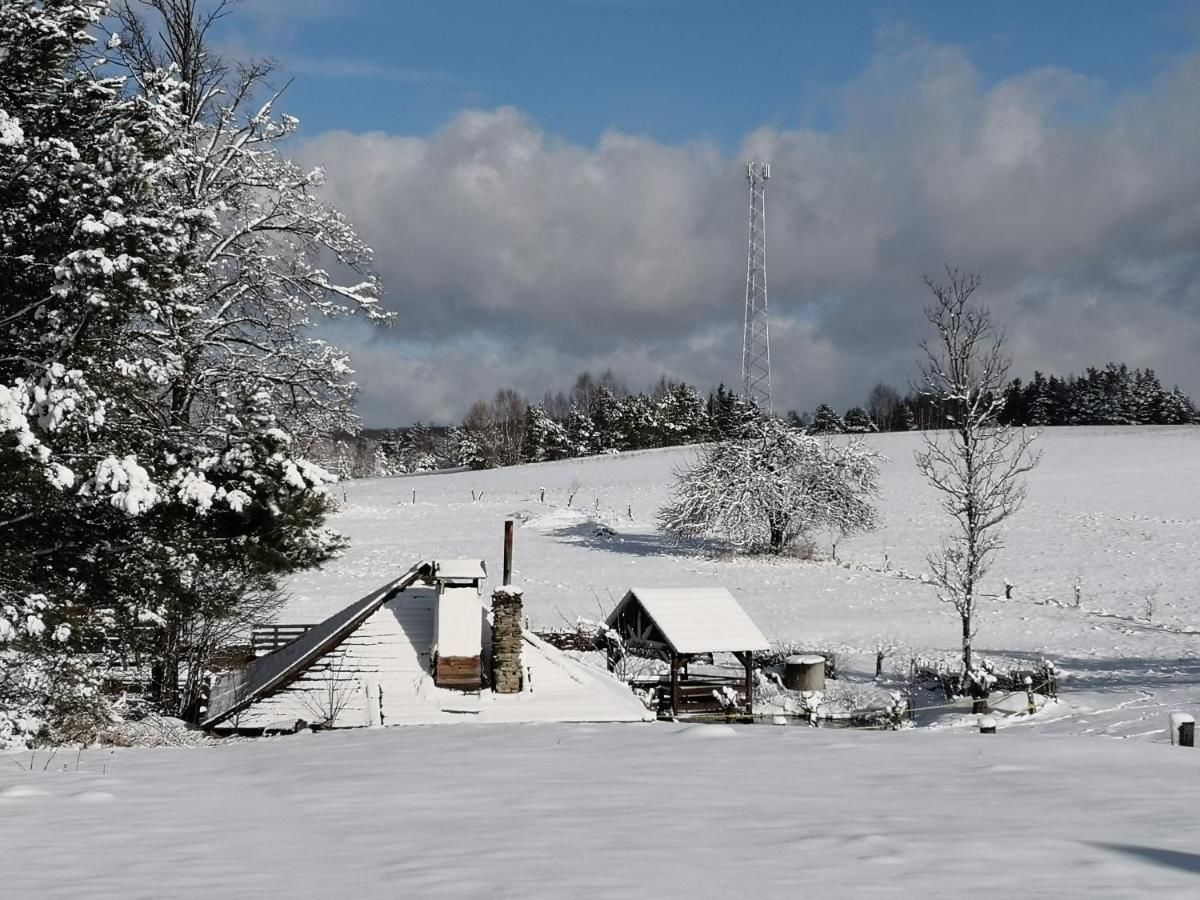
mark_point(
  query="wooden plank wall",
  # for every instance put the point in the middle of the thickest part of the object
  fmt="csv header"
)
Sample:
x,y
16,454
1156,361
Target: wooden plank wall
x,y
381,668
464,673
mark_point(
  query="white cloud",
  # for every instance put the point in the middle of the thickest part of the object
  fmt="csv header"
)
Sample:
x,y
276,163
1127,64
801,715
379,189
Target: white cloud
x,y
1081,211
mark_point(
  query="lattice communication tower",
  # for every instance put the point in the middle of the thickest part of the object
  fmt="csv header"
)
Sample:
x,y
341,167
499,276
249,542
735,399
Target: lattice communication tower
x,y
756,342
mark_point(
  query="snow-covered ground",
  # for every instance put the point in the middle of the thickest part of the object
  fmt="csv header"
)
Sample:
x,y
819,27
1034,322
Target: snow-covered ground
x,y
1038,809
615,811
1115,511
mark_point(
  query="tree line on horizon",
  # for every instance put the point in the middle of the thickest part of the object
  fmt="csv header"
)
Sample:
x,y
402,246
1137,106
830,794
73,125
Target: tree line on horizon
x,y
1114,395
600,415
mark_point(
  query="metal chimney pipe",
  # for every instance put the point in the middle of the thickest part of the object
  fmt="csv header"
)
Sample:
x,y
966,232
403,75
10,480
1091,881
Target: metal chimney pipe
x,y
508,547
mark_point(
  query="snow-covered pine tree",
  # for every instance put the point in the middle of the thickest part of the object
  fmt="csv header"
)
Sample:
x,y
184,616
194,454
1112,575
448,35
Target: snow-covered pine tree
x,y
536,438
1089,404
580,432
856,421
637,423
826,421
117,510
730,415
1149,398
86,238
1039,404
682,416
604,411
1178,409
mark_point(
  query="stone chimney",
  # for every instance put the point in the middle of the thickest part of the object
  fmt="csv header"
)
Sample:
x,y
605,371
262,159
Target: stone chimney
x,y
506,641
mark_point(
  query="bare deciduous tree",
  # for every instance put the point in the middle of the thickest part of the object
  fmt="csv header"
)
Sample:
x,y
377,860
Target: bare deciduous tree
x,y
883,406
334,687
977,464
269,258
497,429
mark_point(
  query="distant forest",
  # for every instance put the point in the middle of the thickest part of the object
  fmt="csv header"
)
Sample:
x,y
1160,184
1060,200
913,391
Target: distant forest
x,y
599,415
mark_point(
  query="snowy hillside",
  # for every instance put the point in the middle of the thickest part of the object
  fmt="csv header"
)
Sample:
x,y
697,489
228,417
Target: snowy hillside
x,y
661,809
1112,510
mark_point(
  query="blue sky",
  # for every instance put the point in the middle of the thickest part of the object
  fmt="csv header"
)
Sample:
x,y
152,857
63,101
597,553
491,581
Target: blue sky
x,y
557,185
674,69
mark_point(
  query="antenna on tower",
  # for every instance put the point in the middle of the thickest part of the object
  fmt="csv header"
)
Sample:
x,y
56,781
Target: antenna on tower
x,y
756,342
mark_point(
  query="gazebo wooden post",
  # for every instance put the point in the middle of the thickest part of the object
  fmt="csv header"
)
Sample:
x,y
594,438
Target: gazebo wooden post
x,y
675,684
747,659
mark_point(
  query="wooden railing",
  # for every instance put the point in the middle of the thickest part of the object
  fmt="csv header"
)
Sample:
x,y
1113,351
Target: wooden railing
x,y
695,691
269,638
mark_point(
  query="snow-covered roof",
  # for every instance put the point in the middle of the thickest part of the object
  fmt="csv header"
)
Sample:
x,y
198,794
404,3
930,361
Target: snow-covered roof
x,y
459,569
236,690
697,620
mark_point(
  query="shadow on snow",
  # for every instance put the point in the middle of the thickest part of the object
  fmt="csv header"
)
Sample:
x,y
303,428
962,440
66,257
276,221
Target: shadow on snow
x,y
1174,859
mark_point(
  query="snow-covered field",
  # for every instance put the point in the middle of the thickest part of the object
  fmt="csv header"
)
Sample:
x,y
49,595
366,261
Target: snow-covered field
x,y
1115,511
618,811
1039,809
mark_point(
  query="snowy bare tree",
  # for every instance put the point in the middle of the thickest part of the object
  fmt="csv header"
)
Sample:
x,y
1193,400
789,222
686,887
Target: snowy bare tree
x,y
270,259
976,463
764,492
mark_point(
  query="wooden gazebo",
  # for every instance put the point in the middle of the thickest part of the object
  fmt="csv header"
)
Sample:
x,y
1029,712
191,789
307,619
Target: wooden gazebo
x,y
683,623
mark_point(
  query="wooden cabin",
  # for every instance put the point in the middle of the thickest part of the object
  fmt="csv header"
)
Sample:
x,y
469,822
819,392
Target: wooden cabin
x,y
372,663
682,624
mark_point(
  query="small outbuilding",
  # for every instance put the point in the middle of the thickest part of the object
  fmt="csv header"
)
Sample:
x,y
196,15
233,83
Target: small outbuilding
x,y
376,662
683,624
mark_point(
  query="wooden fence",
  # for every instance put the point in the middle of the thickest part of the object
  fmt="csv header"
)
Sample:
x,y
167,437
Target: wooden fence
x,y
269,638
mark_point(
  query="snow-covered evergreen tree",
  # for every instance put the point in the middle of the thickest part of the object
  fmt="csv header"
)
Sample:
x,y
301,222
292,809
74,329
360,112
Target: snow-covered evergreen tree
x,y
118,510
580,433
826,421
605,413
1038,402
856,421
537,434
730,415
637,423
1178,409
682,416
1149,398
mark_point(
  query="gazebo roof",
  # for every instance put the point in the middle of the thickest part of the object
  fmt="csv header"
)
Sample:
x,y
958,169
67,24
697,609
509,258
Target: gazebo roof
x,y
696,620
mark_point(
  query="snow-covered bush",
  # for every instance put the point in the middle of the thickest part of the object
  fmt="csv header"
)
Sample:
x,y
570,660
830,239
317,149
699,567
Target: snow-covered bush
x,y
47,692
978,681
766,492
896,713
